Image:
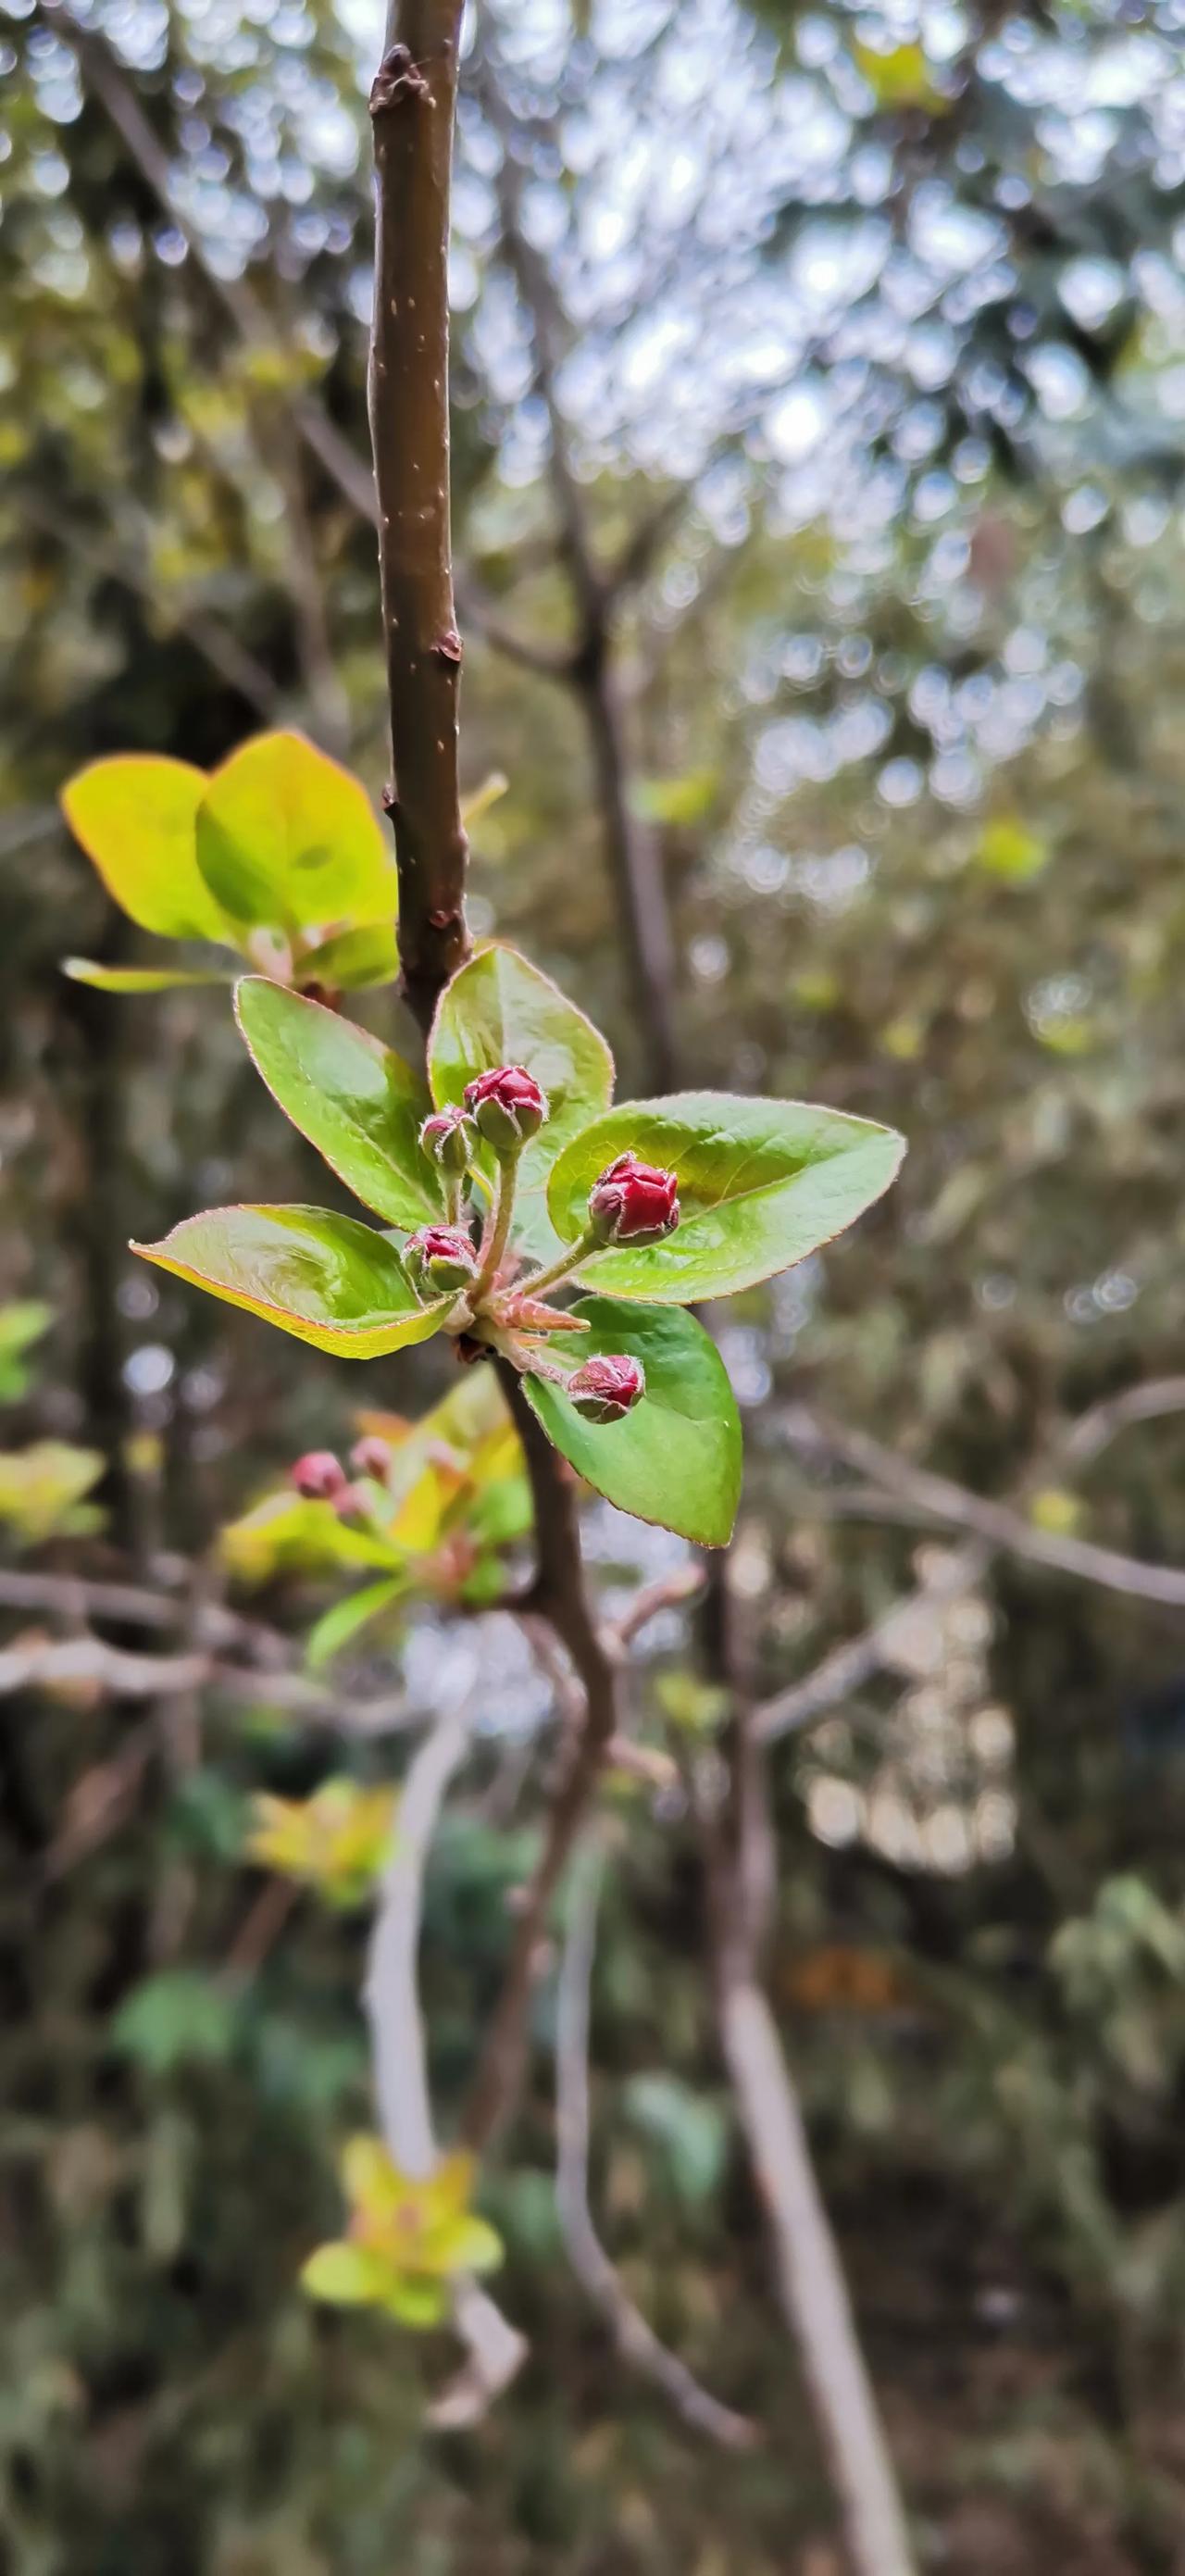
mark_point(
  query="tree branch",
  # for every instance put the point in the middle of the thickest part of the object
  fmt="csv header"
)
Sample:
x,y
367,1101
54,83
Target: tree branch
x,y
412,105
559,1595
810,2279
996,1523
496,2349
636,2341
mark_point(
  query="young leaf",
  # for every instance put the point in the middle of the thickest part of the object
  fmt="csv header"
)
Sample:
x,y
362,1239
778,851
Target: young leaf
x,y
499,1010
327,1279
286,836
136,818
676,1458
761,1184
143,979
354,1099
352,960
337,1626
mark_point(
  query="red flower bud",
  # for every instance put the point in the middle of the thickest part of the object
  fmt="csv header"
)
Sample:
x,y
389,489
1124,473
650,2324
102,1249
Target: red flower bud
x,y
440,1257
605,1390
318,1476
507,1105
450,1138
371,1456
633,1202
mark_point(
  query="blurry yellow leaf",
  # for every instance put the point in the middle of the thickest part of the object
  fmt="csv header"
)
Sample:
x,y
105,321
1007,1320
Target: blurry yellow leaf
x,y
904,1038
337,1841
902,78
1008,849
1059,1513
42,1488
136,818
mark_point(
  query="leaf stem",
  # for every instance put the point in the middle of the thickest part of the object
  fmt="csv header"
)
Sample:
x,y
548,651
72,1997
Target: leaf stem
x,y
540,1281
495,1234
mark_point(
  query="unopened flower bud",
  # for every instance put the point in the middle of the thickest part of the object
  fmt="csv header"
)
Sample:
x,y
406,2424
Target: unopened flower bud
x,y
507,1106
371,1456
440,1257
450,1138
352,1503
605,1390
318,1476
633,1202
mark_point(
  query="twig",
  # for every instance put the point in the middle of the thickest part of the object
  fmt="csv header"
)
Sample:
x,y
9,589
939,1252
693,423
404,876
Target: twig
x,y
1094,1430
997,1523
668,1592
636,2341
560,1596
849,1666
811,2284
496,2349
411,105
33,1662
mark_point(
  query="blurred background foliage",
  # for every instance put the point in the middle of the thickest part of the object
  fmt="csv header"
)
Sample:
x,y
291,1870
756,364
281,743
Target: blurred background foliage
x,y
862,332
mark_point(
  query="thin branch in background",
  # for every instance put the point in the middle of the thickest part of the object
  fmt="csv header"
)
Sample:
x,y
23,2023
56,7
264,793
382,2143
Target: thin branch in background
x,y
496,2349
104,79
636,2341
847,1668
811,2284
996,1523
810,2278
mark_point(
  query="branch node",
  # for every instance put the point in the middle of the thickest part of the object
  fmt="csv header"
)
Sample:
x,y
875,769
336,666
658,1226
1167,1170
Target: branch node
x,y
448,647
396,79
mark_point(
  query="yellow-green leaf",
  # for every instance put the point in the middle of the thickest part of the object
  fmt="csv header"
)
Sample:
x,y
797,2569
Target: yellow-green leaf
x,y
326,1279
284,835
136,817
142,979
355,1099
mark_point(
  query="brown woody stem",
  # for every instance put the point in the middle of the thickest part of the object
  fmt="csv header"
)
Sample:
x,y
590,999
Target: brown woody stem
x,y
412,105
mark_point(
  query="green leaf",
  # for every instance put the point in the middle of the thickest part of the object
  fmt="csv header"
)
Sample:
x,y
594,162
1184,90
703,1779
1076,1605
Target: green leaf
x,y
22,1322
327,1279
761,1184
346,2276
143,979
676,1458
352,960
692,2131
289,1533
343,1622
136,818
286,836
499,1010
354,1099
415,2302
178,2018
